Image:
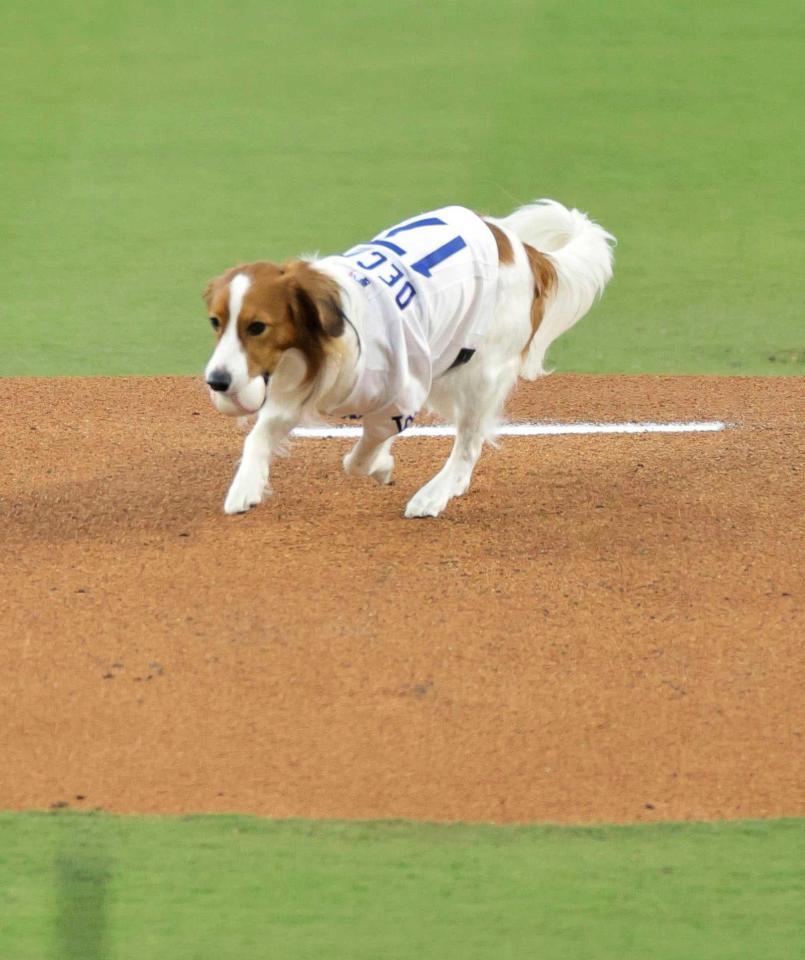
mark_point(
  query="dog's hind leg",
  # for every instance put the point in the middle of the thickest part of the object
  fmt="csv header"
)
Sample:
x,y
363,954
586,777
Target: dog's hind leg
x,y
477,408
371,457
454,477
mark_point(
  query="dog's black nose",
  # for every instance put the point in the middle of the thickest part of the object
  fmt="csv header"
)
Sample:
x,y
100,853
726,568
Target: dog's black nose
x,y
219,380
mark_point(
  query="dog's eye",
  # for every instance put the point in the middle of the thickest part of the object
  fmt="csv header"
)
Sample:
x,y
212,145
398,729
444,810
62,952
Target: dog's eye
x,y
215,322
255,328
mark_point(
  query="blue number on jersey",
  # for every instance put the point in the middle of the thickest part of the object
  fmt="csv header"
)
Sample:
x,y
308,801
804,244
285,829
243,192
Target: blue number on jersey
x,y
423,266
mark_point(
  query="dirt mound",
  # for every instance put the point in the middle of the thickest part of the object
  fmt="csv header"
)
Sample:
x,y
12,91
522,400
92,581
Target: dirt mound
x,y
606,628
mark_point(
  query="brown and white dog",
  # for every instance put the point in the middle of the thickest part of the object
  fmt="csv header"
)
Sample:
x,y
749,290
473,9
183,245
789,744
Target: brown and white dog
x,y
442,312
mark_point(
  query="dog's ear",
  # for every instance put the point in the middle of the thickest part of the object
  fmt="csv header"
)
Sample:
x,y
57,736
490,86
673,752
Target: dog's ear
x,y
316,314
319,315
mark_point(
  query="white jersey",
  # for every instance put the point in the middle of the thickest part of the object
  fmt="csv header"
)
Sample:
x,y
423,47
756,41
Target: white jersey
x,y
429,287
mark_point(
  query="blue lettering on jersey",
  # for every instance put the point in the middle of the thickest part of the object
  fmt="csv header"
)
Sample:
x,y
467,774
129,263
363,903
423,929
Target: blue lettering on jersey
x,y
395,275
405,295
380,258
372,259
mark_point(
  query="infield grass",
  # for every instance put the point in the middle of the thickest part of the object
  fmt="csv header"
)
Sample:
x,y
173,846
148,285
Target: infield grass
x,y
146,146
215,888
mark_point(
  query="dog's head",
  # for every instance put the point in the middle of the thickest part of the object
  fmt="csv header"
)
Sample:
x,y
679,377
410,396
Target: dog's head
x,y
259,311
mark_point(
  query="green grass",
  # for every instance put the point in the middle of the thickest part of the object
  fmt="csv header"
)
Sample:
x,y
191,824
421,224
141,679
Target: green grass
x,y
145,146
234,887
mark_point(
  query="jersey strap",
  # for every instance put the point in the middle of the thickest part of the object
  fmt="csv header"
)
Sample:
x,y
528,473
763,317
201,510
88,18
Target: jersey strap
x,y
464,355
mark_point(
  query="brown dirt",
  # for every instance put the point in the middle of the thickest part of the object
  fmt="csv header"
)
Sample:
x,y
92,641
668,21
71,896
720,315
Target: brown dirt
x,y
604,629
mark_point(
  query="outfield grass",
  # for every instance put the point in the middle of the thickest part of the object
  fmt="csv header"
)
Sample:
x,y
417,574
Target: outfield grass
x,y
234,887
148,145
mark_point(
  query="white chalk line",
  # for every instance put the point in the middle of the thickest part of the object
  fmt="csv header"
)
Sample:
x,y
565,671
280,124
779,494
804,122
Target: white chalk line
x,y
528,429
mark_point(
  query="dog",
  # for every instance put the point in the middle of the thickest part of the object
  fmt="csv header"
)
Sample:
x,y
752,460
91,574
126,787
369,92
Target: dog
x,y
442,312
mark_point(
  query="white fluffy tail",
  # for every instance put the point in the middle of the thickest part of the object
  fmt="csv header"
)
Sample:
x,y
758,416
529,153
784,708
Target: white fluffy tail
x,y
581,252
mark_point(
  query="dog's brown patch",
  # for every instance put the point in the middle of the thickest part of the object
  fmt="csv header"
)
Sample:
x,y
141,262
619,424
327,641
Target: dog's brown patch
x,y
216,296
542,270
545,279
504,245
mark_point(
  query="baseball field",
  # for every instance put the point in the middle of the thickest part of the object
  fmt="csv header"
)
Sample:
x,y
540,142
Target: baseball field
x,y
565,720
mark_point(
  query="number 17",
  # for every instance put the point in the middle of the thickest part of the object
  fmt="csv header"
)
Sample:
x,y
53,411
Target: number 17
x,y
430,260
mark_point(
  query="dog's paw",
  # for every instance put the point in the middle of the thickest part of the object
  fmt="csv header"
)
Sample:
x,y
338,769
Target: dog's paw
x,y
379,465
382,470
352,465
427,502
247,490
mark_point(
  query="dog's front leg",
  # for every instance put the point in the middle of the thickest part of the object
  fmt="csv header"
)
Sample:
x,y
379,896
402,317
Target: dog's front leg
x,y
250,484
371,456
